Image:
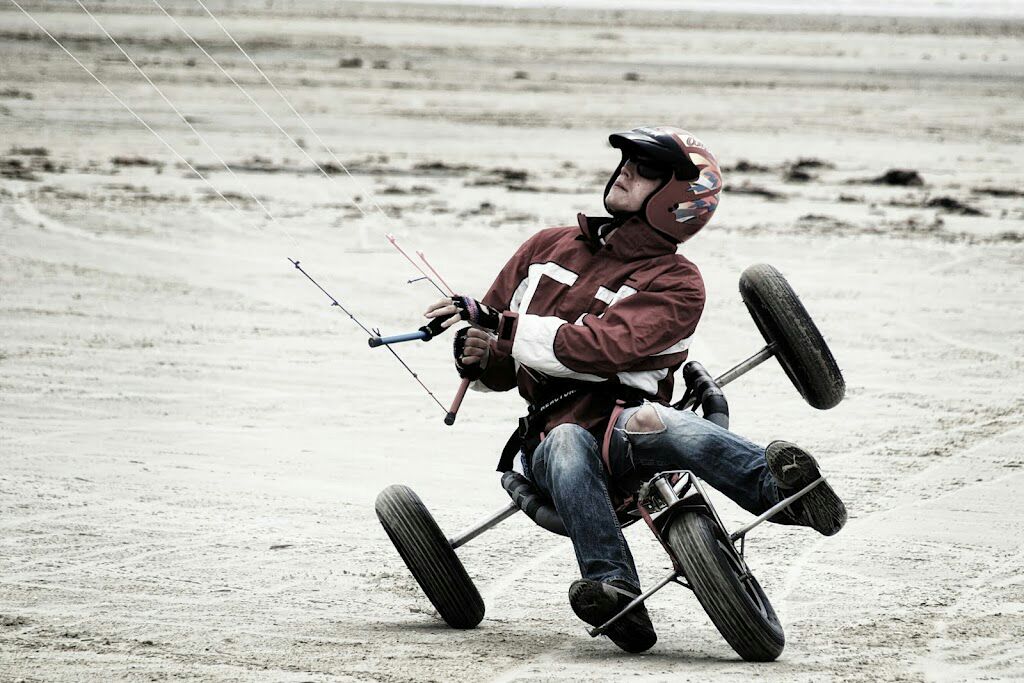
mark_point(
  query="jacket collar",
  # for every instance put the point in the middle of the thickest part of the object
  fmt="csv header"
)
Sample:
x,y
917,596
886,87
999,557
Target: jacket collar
x,y
633,239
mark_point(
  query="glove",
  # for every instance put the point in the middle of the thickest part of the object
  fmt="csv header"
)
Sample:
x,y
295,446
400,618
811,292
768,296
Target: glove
x,y
476,313
433,328
471,371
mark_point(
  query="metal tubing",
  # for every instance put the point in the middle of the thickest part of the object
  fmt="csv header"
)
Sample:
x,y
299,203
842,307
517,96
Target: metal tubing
x,y
483,525
683,482
665,490
738,370
746,366
595,632
778,507
394,339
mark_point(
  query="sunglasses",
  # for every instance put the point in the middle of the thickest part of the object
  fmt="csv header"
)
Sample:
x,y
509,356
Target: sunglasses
x,y
650,169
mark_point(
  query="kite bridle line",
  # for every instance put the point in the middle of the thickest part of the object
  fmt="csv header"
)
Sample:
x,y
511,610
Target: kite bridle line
x,y
268,116
197,173
186,121
453,411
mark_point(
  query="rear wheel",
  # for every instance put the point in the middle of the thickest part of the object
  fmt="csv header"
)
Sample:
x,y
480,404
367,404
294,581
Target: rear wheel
x,y
429,556
799,346
726,589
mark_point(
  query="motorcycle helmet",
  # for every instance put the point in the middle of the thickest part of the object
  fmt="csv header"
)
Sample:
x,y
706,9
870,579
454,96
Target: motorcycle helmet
x,y
688,194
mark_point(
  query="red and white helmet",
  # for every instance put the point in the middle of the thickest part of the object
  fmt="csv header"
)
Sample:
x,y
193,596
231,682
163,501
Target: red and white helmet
x,y
688,197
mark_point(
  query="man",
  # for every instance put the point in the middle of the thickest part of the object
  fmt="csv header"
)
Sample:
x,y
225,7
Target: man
x,y
582,317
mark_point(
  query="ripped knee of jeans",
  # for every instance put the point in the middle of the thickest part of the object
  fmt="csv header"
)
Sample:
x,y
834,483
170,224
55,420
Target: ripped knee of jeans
x,y
645,421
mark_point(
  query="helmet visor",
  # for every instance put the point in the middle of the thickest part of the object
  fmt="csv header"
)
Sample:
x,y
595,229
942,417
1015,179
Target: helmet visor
x,y
660,149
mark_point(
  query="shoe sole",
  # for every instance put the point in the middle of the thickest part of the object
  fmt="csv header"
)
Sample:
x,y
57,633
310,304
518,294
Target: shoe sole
x,y
794,468
593,605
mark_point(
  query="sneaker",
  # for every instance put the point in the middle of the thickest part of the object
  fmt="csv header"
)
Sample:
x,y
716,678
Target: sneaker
x,y
793,469
595,602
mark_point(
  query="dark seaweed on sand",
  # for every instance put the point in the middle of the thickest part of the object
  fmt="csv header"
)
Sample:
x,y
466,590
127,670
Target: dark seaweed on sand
x,y
902,177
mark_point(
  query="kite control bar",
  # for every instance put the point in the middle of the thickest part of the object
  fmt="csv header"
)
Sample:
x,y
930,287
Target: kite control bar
x,y
425,333
428,331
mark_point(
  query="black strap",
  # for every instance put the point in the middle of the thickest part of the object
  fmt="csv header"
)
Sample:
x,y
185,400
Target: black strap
x,y
526,437
558,393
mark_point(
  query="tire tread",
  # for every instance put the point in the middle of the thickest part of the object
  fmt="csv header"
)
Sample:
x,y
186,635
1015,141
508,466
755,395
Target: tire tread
x,y
693,538
801,349
429,556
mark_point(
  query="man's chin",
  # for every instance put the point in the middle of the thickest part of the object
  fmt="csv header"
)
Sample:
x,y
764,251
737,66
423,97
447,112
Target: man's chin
x,y
614,206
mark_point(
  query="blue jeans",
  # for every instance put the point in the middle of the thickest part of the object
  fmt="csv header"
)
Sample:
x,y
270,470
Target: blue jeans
x,y
567,467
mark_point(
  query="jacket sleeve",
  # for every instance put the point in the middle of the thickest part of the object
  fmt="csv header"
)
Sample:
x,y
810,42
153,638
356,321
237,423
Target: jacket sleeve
x,y
500,373
649,330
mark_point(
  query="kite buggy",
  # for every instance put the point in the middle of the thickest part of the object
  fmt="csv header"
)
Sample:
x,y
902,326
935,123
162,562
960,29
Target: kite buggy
x,y
663,191
705,556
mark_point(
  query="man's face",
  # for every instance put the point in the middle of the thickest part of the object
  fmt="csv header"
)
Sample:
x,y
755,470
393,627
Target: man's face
x,y
630,189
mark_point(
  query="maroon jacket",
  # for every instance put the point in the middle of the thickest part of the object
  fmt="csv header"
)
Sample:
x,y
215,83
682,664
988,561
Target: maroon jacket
x,y
620,313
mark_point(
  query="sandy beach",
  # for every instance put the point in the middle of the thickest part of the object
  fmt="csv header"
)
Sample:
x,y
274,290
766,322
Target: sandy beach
x,y
192,437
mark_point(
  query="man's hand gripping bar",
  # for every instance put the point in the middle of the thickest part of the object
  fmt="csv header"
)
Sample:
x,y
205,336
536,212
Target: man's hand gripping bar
x,y
428,331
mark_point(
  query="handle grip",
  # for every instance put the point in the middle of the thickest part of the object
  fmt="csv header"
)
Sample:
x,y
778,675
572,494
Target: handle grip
x,y
457,402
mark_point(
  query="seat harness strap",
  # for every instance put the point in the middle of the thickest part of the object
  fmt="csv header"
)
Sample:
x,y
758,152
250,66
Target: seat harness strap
x,y
606,443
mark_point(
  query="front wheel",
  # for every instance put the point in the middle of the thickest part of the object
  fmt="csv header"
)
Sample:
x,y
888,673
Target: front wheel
x,y
429,556
799,345
726,589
